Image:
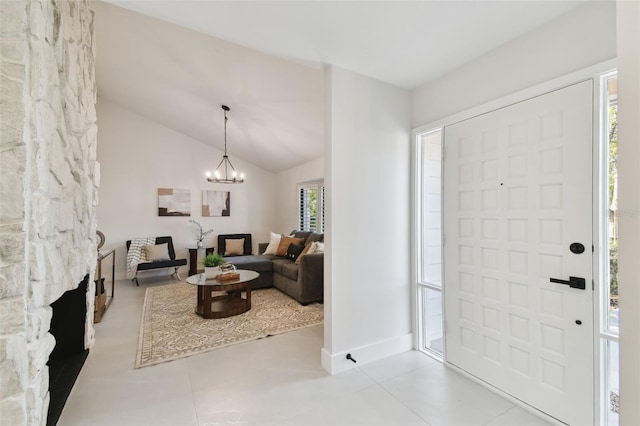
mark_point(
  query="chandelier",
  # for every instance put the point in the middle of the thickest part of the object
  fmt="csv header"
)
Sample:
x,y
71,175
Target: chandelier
x,y
221,175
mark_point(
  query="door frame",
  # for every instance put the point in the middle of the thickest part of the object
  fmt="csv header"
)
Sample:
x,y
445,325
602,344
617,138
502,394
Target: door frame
x,y
590,73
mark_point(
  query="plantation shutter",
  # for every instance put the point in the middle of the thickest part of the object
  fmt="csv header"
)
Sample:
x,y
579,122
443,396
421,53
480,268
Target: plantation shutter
x,y
311,207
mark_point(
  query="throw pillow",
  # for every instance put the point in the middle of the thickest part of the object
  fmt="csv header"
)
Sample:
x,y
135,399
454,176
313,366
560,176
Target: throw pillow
x,y
284,244
294,251
273,243
234,247
316,247
156,253
305,251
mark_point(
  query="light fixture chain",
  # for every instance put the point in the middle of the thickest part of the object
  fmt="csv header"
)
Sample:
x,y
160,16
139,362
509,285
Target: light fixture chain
x,y
225,133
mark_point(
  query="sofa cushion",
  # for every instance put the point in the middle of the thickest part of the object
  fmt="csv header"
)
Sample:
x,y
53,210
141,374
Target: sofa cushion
x,y
290,270
157,252
222,242
274,242
234,247
277,264
253,263
316,247
301,234
294,251
284,244
306,249
286,267
314,237
161,264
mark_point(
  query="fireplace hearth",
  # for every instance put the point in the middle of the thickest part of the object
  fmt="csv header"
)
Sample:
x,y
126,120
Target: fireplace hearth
x,y
67,358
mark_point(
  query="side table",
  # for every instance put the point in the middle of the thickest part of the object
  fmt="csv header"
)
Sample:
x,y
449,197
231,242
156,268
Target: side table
x,y
102,255
193,258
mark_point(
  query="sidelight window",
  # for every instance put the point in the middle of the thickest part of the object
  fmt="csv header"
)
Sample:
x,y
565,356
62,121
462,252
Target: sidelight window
x,y
609,308
429,241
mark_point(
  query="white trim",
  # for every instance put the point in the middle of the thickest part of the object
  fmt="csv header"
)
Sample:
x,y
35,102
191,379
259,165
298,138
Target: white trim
x,y
417,208
531,92
337,363
416,189
601,241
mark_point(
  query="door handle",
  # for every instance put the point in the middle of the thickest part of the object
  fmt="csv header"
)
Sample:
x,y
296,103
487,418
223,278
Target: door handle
x,y
574,282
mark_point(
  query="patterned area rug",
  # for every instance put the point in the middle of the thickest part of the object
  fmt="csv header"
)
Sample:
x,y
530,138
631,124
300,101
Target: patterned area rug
x,y
170,329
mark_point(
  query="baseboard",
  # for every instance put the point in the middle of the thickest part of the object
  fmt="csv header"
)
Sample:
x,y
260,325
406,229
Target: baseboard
x,y
337,363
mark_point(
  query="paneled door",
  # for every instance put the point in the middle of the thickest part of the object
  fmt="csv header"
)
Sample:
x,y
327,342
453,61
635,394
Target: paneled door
x,y
517,215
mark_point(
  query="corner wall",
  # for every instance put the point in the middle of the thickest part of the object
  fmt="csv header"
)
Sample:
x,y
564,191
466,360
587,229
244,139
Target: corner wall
x,y
138,156
629,208
367,206
47,191
576,40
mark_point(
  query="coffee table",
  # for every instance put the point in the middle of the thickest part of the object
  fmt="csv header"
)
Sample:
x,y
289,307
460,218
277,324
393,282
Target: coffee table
x,y
230,302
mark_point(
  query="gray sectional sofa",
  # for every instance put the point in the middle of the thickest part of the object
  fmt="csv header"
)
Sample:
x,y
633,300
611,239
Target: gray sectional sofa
x,y
304,281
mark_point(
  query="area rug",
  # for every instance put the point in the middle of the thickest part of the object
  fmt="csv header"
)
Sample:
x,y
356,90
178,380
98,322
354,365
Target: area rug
x,y
170,329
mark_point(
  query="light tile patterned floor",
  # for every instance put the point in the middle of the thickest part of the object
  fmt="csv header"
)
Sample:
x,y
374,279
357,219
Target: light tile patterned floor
x,y
273,381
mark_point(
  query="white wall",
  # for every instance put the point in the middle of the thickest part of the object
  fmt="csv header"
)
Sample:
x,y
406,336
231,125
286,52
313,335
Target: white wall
x,y
629,208
367,281
287,192
137,156
582,37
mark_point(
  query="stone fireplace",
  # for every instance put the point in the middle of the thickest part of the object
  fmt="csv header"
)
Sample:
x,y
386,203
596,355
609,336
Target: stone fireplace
x,y
48,137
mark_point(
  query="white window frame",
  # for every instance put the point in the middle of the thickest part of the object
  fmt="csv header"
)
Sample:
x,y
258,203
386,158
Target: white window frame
x,y
423,284
606,333
303,222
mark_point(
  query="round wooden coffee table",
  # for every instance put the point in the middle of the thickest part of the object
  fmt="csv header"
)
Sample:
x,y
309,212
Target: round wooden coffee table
x,y
230,302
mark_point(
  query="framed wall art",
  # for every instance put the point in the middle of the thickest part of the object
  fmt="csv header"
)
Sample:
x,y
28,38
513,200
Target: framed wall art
x,y
174,202
216,203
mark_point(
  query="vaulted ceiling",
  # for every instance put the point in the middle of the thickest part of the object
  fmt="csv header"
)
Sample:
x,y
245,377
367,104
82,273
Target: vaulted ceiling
x,y
175,62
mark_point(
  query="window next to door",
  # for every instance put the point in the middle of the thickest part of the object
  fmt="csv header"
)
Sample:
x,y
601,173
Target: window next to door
x,y
609,311
428,225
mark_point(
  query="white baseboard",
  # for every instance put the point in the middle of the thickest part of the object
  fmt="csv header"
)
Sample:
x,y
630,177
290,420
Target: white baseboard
x,y
337,363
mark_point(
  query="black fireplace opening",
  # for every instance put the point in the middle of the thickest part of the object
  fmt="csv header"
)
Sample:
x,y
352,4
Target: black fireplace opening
x,y
68,356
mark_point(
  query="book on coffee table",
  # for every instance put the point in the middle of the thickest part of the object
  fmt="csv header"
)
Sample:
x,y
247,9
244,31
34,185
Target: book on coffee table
x,y
228,276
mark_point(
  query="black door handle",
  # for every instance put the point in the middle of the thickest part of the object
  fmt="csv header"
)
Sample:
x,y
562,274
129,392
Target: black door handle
x,y
574,282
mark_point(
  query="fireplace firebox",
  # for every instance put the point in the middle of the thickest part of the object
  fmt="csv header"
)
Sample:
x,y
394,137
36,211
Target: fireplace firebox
x,y
67,358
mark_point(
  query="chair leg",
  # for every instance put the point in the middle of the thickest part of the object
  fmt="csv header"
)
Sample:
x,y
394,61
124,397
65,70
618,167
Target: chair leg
x,y
177,274
135,280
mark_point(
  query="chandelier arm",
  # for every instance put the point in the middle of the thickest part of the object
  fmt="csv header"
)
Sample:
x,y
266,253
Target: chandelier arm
x,y
229,161
219,164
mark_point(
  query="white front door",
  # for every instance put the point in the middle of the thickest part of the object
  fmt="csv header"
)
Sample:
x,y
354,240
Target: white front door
x,y
517,195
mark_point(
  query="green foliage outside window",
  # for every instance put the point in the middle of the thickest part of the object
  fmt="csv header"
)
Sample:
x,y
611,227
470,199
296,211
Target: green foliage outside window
x,y
613,178
313,209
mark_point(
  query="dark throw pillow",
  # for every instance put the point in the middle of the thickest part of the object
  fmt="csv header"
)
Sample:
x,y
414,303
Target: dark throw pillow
x,y
294,251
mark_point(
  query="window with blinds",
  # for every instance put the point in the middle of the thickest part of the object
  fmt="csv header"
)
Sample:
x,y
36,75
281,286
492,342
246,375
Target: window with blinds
x,y
311,206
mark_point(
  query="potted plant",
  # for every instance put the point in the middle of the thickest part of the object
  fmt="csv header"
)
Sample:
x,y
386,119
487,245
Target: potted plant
x,y
211,263
200,234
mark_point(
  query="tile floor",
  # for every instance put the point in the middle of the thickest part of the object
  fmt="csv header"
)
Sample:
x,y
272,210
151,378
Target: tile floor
x,y
273,381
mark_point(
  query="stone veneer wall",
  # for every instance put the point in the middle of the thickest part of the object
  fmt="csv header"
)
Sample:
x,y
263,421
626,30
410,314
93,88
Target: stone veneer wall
x,y
48,187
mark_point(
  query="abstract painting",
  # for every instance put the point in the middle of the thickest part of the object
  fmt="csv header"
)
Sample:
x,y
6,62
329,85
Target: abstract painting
x,y
216,203
174,202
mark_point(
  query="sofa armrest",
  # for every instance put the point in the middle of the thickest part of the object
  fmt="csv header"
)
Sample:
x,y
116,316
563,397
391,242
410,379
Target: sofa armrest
x,y
311,277
262,247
